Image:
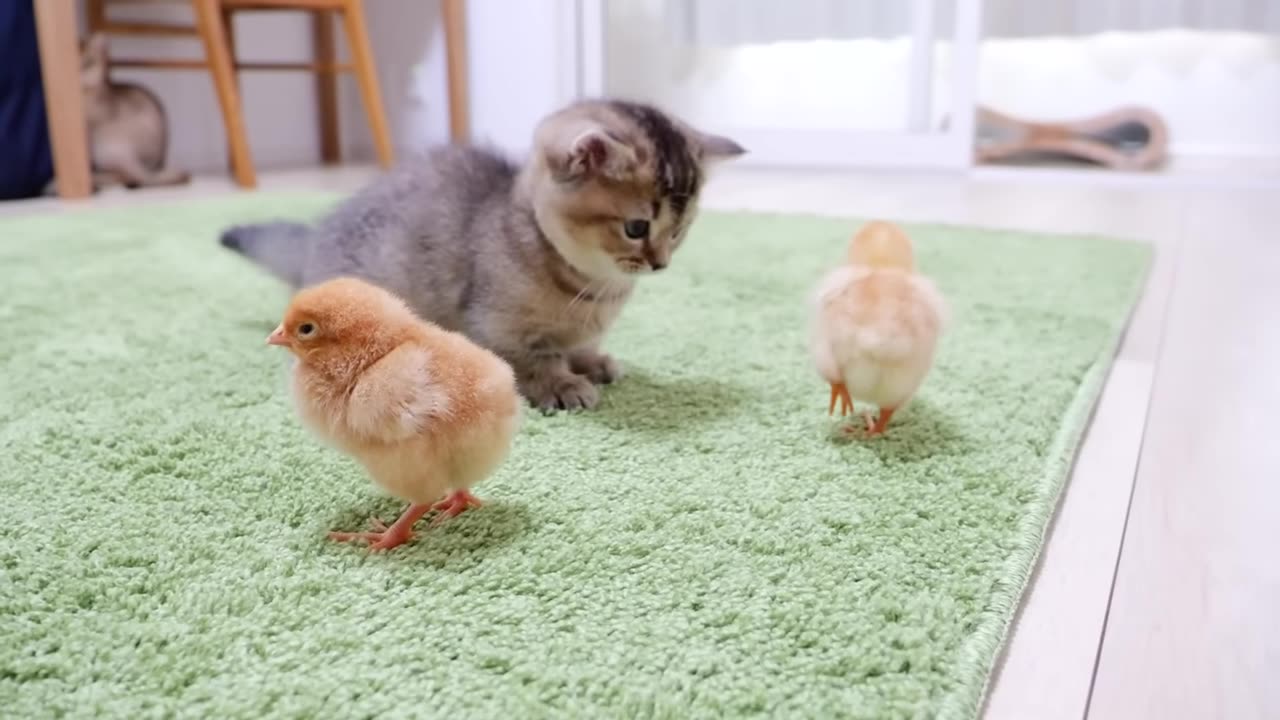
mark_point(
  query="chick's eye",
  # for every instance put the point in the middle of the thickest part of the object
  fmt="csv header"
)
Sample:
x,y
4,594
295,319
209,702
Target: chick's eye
x,y
636,229
306,330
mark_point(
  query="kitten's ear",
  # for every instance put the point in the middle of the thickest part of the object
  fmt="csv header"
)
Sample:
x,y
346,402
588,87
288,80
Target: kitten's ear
x,y
719,147
591,152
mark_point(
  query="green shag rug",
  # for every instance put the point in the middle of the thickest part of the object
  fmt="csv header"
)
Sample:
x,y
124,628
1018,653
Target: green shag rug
x,y
704,545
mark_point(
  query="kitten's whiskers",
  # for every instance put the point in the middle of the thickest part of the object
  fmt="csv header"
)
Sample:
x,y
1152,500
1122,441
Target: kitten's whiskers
x,y
586,289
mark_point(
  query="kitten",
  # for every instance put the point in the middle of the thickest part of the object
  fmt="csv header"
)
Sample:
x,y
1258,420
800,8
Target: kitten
x,y
128,131
533,262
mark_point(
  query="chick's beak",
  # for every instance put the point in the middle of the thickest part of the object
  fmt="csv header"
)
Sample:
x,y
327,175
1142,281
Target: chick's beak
x,y
277,337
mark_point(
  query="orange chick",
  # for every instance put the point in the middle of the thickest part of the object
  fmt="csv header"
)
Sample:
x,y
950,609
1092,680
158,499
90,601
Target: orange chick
x,y
425,411
876,324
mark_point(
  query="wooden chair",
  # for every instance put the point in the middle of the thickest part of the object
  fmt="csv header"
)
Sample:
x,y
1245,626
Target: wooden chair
x,y
213,26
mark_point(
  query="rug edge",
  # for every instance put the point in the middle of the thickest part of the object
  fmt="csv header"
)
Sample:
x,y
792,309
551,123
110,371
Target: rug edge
x,y
984,649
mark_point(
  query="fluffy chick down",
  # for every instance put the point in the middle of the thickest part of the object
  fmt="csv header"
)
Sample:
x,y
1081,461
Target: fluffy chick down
x,y
424,410
876,321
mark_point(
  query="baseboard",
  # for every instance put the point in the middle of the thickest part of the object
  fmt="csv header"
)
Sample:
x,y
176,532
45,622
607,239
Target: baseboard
x,y
1181,173
1248,153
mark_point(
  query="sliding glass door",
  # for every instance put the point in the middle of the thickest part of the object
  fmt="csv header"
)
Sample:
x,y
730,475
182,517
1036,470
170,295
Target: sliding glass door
x,y
834,83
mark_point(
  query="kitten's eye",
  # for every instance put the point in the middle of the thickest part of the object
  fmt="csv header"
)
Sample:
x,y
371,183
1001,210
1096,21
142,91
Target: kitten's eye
x,y
306,330
636,229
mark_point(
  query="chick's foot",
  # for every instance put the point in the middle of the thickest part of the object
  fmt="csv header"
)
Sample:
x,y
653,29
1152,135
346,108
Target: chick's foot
x,y
877,426
383,537
454,504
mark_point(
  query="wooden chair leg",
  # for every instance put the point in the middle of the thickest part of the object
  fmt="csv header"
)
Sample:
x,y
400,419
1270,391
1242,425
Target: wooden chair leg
x,y
366,74
96,11
212,34
454,18
229,27
60,71
325,50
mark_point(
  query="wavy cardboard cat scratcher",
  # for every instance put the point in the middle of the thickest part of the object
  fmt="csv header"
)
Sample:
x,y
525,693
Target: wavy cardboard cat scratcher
x,y
1128,138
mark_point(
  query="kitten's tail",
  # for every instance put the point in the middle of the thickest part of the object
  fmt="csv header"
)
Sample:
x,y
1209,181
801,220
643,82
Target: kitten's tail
x,y
280,247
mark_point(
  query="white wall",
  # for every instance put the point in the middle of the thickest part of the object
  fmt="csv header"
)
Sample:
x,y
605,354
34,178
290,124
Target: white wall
x,y
280,109
522,61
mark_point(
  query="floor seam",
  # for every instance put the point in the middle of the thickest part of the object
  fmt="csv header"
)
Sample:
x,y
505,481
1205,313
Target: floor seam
x,y
1142,442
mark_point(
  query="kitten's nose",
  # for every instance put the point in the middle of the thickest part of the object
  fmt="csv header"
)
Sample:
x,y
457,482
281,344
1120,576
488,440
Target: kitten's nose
x,y
657,264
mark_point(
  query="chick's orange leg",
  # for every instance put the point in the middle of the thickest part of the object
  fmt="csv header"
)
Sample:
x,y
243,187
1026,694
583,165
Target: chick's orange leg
x,y
840,392
384,537
454,504
878,426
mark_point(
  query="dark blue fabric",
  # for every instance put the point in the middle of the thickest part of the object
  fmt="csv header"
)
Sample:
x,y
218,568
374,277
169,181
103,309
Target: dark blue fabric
x,y
26,159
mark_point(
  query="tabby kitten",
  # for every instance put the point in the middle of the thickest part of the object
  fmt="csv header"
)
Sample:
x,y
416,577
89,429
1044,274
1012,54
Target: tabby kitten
x,y
533,262
128,131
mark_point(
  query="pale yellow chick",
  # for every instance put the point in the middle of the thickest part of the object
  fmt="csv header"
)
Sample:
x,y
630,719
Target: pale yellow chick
x,y
876,324
427,412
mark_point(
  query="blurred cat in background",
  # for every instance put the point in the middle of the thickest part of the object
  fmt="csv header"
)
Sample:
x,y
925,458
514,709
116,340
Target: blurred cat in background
x,y
533,262
128,130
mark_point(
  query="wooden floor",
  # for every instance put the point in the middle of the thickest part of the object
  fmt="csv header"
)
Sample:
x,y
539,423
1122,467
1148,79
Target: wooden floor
x,y
1154,597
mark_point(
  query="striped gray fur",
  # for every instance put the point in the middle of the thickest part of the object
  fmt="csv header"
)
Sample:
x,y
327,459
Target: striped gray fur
x,y
529,261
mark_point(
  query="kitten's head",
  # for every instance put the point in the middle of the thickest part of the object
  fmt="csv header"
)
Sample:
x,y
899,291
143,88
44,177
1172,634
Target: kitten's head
x,y
93,63
615,184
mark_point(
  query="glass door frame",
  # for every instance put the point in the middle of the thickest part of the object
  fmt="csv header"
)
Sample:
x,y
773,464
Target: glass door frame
x,y
915,147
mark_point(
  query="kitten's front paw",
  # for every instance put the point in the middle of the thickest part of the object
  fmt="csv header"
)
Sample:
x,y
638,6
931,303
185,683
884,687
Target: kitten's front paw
x,y
600,368
566,391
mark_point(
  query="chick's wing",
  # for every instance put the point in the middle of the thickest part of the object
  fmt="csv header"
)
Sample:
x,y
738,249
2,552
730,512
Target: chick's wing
x,y
396,397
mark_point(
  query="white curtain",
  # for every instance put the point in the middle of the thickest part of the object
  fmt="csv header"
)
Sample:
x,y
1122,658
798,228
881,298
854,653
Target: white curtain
x,y
740,22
